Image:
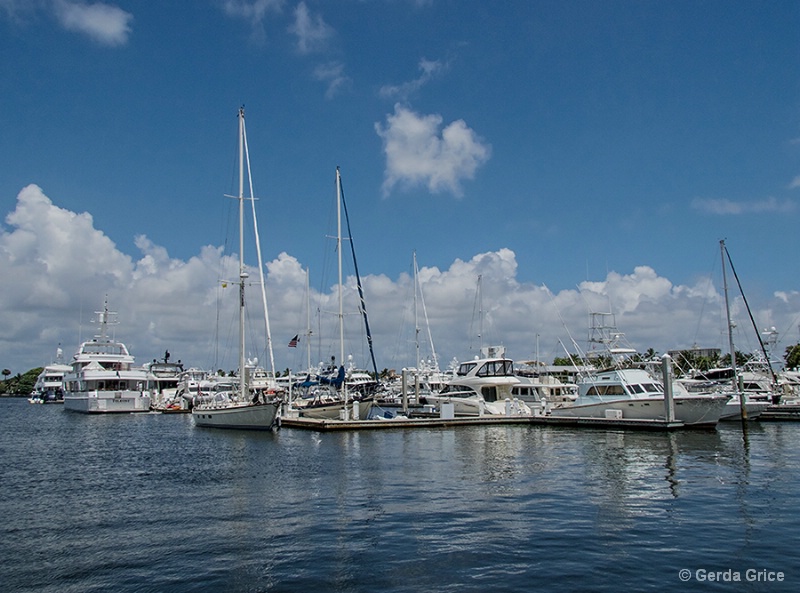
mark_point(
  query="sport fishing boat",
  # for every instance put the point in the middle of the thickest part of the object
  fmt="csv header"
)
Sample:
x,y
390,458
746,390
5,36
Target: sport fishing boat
x,y
634,393
102,379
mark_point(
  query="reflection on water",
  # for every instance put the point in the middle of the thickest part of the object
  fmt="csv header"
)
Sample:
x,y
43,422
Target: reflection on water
x,y
148,502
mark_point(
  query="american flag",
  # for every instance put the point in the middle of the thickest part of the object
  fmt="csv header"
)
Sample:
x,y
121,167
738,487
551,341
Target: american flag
x,y
293,341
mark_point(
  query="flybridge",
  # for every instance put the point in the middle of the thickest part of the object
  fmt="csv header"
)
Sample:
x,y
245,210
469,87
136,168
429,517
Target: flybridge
x,y
105,348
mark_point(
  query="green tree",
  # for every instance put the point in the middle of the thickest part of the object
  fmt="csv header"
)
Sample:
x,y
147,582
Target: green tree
x,y
792,357
6,373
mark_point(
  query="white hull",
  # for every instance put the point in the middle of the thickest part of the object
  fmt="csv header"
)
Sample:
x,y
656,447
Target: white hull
x,y
245,416
733,411
462,406
692,411
108,402
475,406
333,410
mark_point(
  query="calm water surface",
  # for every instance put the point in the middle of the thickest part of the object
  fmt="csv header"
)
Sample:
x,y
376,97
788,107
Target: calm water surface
x,y
148,502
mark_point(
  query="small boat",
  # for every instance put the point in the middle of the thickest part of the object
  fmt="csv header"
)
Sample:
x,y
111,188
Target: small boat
x,y
102,378
328,398
481,386
236,405
750,400
163,380
339,393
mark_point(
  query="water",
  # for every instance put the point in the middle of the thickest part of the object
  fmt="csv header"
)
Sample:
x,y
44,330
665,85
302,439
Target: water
x,y
151,503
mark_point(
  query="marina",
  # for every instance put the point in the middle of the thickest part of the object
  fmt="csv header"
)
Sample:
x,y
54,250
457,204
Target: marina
x,y
469,506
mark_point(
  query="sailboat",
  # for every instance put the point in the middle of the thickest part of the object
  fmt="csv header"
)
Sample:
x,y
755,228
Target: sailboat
x,y
742,405
334,400
238,406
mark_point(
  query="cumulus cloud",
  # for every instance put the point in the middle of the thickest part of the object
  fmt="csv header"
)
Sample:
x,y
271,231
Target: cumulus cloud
x,y
106,24
730,207
57,269
419,152
429,68
312,32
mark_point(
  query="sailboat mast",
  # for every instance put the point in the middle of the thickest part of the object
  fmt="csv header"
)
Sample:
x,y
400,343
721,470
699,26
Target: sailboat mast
x,y
308,318
339,253
267,331
735,379
242,273
416,316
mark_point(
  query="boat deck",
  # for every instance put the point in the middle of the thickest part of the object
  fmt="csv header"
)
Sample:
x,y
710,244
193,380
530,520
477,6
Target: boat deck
x,y
436,422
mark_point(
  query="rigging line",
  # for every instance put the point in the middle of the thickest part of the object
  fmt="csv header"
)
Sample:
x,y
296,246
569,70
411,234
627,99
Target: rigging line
x,y
358,282
750,314
424,312
258,254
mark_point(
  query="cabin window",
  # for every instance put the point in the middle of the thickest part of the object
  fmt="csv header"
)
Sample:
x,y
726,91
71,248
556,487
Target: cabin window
x,y
465,368
651,388
489,394
636,388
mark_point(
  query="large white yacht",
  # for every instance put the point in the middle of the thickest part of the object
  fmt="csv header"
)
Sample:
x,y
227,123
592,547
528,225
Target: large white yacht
x,y
482,386
49,386
102,378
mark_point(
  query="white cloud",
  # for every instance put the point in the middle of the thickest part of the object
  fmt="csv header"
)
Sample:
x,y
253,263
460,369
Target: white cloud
x,y
57,268
312,32
419,152
403,91
725,206
332,73
795,183
254,12
106,24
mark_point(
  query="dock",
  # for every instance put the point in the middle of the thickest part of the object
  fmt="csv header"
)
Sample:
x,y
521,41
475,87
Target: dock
x,y
781,412
488,420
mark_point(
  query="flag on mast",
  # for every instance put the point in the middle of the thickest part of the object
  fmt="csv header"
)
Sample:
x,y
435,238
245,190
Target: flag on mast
x,y
293,341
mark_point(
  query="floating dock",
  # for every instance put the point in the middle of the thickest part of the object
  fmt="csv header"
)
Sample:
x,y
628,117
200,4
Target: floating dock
x,y
781,412
488,420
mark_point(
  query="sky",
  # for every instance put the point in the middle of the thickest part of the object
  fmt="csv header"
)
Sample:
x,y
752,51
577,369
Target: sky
x,y
542,161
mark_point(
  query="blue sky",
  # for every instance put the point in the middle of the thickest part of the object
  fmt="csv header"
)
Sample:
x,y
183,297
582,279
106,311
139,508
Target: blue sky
x,y
578,156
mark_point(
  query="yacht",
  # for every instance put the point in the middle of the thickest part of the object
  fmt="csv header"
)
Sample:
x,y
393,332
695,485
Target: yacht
x,y
481,386
49,386
102,378
163,380
635,393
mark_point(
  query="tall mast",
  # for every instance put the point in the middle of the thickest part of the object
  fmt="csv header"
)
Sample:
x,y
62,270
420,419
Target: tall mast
x,y
735,379
416,316
242,274
339,253
308,319
267,331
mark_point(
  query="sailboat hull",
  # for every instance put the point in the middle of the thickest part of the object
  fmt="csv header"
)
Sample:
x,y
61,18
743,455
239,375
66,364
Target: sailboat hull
x,y
333,410
244,417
